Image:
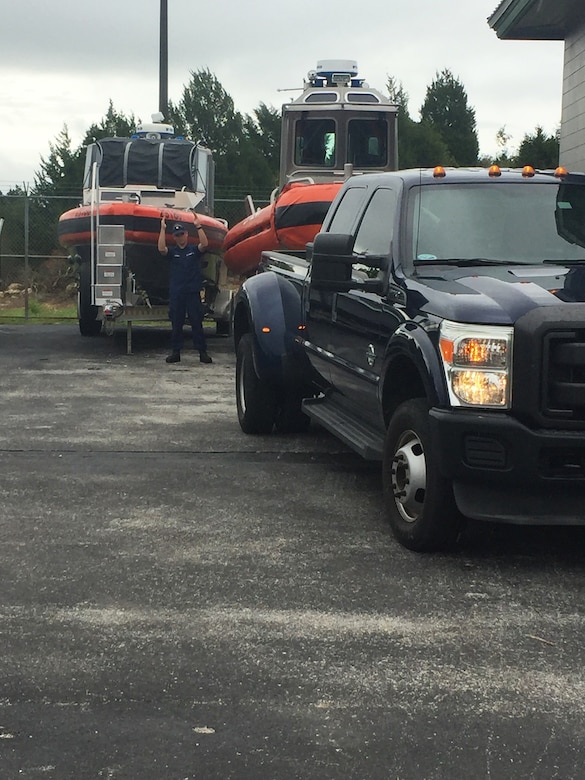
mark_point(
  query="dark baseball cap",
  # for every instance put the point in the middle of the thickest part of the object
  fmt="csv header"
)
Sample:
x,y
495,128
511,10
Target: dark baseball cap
x,y
178,228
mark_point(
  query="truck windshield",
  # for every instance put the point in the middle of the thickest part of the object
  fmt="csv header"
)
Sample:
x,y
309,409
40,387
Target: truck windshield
x,y
525,222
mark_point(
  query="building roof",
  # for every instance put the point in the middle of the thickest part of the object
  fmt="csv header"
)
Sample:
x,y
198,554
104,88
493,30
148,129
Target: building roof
x,y
548,20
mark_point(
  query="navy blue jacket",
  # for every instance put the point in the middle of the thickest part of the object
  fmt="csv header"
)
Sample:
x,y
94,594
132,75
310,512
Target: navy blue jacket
x,y
185,268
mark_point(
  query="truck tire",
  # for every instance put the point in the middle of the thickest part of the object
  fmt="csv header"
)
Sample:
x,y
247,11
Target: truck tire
x,y
419,501
88,325
255,400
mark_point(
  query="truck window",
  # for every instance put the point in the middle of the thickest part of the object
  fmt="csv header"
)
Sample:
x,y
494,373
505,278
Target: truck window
x,y
374,235
375,232
347,210
503,222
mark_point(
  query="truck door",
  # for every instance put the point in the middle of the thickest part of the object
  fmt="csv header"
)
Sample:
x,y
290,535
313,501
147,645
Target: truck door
x,y
362,322
320,304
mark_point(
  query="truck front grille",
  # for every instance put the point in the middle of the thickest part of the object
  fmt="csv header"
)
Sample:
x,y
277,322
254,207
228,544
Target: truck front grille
x,y
564,375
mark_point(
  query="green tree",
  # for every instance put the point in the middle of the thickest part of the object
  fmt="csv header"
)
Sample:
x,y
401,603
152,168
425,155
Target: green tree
x,y
61,172
446,109
242,146
419,145
206,113
114,123
263,130
539,150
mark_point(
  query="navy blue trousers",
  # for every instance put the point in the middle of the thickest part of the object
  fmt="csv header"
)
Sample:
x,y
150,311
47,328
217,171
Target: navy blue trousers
x,y
186,304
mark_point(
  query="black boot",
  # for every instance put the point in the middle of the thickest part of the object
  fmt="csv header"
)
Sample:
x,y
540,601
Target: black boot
x,y
204,357
174,357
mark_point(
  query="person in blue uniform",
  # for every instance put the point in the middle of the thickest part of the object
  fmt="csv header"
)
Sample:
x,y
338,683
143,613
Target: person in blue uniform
x,y
185,284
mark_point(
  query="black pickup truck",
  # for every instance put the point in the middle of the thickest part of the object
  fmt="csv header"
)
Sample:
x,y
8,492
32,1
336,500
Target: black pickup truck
x,y
437,324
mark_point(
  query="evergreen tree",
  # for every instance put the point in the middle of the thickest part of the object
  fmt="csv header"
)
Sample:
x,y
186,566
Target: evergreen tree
x,y
539,150
61,173
113,124
419,145
264,133
445,108
206,113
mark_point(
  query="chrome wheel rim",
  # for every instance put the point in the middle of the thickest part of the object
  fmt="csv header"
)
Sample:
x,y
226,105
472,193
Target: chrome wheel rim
x,y
409,477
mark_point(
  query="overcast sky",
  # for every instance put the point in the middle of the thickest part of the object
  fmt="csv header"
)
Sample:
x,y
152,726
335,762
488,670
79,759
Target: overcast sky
x,y
62,61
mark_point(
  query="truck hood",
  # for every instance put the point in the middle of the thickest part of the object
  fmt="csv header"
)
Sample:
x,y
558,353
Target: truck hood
x,y
494,294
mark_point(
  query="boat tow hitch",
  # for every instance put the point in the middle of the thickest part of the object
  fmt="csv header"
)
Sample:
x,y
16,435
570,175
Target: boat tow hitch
x,y
111,311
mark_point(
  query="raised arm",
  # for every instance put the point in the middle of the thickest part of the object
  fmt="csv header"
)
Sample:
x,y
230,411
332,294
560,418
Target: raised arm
x,y
162,240
203,242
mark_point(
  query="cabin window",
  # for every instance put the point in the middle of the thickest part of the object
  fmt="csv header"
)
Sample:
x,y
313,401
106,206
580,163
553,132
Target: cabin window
x,y
367,144
361,97
322,97
315,143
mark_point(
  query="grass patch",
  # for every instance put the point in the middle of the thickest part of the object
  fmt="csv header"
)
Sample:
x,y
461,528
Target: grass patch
x,y
39,312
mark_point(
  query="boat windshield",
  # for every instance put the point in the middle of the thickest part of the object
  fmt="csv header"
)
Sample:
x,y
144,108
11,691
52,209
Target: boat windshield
x,y
315,143
367,143
500,222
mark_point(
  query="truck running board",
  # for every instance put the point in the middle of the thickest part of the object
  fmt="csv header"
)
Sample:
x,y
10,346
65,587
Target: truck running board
x,y
366,441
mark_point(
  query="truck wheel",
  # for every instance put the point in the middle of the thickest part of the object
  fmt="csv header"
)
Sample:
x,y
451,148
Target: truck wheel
x,y
419,501
255,400
88,325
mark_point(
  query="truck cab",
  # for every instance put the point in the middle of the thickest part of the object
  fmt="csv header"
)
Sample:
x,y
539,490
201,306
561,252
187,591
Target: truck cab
x,y
438,326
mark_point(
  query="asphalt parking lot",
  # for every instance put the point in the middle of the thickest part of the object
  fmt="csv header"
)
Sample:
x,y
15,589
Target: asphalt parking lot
x,y
181,601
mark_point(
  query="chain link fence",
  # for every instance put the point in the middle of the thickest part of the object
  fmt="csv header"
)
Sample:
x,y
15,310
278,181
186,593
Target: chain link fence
x,y
36,275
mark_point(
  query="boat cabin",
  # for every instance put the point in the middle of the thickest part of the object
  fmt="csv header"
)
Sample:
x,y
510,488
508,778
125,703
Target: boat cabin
x,y
337,121
151,169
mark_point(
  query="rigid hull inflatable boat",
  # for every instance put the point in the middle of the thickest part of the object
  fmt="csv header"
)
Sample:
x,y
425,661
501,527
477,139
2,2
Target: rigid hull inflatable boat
x,y
129,183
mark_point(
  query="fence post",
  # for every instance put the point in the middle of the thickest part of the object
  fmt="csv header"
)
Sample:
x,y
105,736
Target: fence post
x,y
26,247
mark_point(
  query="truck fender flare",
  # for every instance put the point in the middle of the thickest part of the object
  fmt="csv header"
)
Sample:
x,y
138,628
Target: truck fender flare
x,y
269,307
413,343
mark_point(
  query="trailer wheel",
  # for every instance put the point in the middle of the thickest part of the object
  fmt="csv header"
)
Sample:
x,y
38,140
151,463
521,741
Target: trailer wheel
x,y
255,400
88,324
419,501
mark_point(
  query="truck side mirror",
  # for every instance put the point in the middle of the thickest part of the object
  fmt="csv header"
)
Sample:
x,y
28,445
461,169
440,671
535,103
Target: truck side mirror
x,y
332,259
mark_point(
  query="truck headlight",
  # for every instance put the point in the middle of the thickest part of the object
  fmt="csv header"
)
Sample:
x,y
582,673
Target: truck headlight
x,y
477,360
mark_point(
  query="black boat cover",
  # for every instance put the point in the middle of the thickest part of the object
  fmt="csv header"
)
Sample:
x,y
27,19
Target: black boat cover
x,y
167,163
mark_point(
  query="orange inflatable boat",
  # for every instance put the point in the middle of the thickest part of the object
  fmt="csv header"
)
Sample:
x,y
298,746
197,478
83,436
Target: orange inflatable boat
x,y
290,222
141,224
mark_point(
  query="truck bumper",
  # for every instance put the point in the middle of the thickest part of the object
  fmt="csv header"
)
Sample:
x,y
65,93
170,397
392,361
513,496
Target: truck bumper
x,y
502,470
